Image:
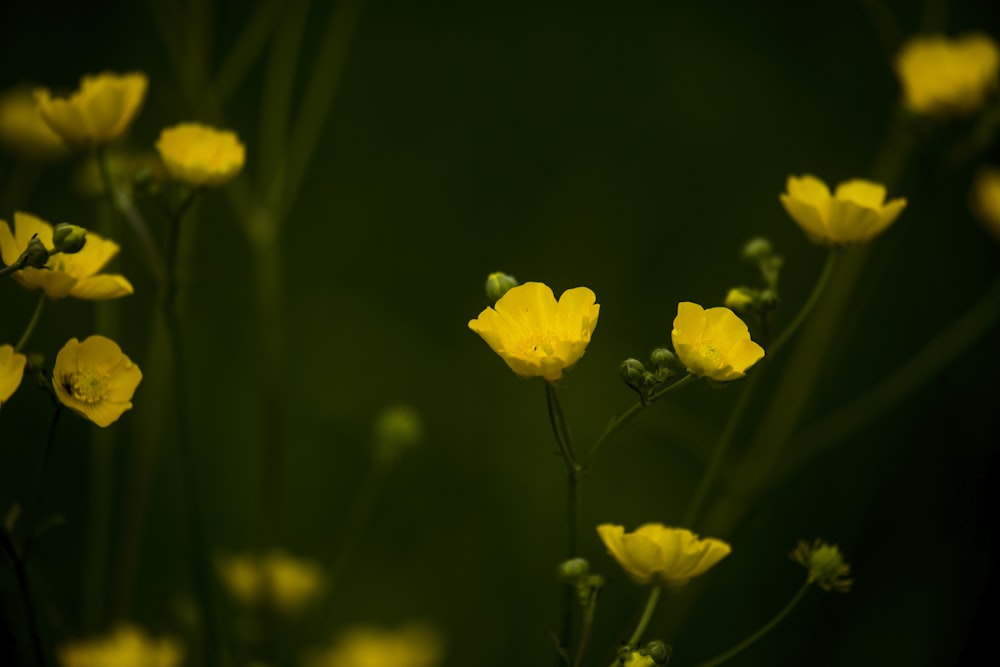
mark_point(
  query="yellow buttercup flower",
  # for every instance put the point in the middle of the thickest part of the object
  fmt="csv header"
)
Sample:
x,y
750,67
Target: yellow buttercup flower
x,y
23,132
536,335
986,199
99,112
942,76
275,579
75,275
659,554
364,646
126,646
200,156
11,371
713,343
636,659
856,213
95,379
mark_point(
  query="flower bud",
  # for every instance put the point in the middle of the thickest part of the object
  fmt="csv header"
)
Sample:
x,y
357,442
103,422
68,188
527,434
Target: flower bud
x,y
826,565
35,255
397,428
574,570
68,239
663,357
498,284
658,651
757,249
631,371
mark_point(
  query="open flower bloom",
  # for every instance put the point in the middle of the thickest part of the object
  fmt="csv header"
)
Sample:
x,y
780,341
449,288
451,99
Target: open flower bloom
x,y
126,646
11,371
854,214
64,275
99,112
275,579
94,379
659,554
535,335
23,132
200,156
713,343
942,77
986,199
365,646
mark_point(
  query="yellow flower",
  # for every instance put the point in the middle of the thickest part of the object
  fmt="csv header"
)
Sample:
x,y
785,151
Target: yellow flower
x,y
855,213
200,156
126,646
274,579
659,554
713,343
942,76
94,379
99,112
636,659
11,371
64,275
535,335
363,646
986,199
22,130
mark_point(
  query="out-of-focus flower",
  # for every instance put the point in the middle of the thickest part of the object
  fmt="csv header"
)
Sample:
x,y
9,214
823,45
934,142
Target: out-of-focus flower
x,y
365,646
397,428
739,299
536,335
98,112
826,565
11,371
63,275
95,379
275,579
126,646
660,554
713,343
942,77
856,213
986,199
199,155
23,132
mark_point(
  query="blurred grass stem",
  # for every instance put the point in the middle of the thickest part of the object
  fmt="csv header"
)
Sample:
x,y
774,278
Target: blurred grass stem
x,y
36,316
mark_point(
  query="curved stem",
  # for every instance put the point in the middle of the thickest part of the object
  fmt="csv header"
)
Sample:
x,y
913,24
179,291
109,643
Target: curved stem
x,y
32,324
647,616
588,624
807,307
767,627
21,574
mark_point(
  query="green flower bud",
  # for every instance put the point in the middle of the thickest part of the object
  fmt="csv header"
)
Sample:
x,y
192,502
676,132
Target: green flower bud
x,y
574,570
35,255
757,249
658,651
826,565
498,284
631,372
663,357
648,380
739,299
68,239
397,428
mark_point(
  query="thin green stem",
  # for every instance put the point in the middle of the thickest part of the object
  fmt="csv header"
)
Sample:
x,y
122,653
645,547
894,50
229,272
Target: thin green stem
x,y
560,429
36,317
21,574
807,307
46,453
647,616
766,628
623,418
586,628
13,268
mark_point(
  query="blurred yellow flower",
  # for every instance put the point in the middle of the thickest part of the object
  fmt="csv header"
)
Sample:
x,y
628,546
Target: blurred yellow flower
x,y
364,646
659,554
200,156
986,199
99,112
854,214
95,379
64,275
636,659
274,579
713,343
942,76
126,646
23,132
11,371
535,335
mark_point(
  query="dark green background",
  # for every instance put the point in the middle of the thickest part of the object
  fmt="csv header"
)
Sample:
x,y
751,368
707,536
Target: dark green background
x,y
629,147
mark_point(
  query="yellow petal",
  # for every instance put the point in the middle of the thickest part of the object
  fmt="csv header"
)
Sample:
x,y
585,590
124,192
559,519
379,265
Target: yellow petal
x,y
102,287
861,192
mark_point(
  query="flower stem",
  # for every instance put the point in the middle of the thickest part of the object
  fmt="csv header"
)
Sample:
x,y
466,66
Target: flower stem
x,y
766,628
807,307
46,452
586,627
36,316
21,574
647,616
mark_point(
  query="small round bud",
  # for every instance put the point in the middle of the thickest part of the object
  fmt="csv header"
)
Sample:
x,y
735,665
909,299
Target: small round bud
x,y
663,358
397,428
498,284
659,651
631,371
68,239
574,569
596,581
739,299
757,249
648,380
826,565
768,299
35,255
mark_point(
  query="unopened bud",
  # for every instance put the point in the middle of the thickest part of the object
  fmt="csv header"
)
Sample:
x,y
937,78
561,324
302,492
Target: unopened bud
x,y
826,565
757,249
35,255
659,651
663,358
68,239
498,284
574,570
631,371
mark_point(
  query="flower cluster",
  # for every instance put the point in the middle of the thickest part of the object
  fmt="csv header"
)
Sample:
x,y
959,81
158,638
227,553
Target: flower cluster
x,y
274,579
126,646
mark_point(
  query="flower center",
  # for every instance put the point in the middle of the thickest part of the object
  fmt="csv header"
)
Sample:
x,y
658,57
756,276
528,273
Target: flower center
x,y
706,351
87,386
